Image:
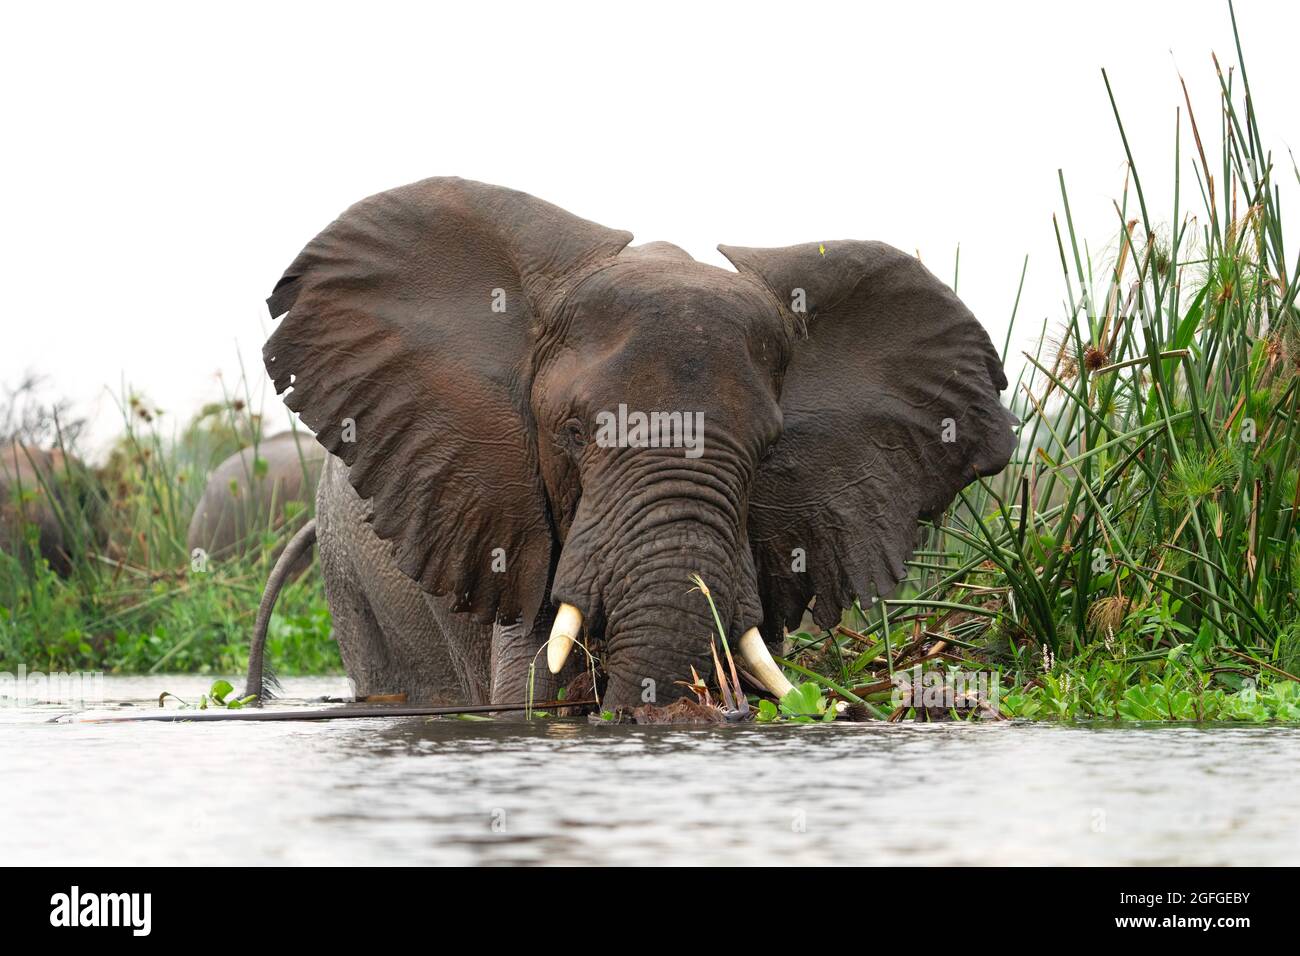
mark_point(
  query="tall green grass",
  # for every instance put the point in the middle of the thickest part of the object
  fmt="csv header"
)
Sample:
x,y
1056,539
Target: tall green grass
x,y
1146,529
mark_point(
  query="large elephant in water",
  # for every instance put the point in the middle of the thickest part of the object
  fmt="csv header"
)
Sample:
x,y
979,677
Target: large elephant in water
x,y
540,433
38,489
252,492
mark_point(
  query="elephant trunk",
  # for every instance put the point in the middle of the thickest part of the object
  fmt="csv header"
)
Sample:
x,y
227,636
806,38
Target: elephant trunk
x,y
661,629
649,520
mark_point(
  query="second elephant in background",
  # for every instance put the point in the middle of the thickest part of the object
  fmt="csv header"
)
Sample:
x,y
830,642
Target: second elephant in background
x,y
44,492
262,488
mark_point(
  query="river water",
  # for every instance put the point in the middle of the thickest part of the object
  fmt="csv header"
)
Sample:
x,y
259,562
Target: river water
x,y
414,791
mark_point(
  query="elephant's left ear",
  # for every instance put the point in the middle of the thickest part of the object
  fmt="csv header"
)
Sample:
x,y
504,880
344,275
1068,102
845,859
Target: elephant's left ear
x,y
407,347
890,406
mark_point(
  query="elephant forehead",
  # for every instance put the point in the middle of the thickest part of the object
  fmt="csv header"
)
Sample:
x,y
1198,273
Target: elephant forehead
x,y
656,290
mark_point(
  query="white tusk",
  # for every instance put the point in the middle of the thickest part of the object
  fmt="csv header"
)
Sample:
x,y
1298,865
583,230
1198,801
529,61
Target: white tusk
x,y
759,662
567,627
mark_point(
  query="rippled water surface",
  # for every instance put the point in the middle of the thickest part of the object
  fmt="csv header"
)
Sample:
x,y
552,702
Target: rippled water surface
x,y
452,791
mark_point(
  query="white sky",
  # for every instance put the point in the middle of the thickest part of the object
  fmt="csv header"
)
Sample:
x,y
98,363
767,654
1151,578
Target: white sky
x,y
162,166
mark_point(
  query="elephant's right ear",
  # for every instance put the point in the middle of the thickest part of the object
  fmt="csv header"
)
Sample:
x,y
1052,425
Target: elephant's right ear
x,y
890,407
407,344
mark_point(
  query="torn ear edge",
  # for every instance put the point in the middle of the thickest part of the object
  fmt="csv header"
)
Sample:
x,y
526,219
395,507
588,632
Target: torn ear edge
x,y
283,295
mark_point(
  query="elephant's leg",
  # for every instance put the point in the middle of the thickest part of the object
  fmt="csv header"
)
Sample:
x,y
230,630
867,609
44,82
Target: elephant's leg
x,y
390,639
514,650
469,646
415,649
365,658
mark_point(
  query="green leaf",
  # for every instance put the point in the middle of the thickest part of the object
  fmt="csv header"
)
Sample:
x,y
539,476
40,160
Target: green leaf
x,y
219,691
805,700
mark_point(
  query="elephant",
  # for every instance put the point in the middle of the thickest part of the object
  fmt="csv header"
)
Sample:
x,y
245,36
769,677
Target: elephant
x,y
541,436
240,500
31,482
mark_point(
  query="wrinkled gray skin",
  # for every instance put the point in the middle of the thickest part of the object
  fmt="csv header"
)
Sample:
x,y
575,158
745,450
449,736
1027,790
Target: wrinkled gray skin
x,y
27,475
471,335
227,523
396,638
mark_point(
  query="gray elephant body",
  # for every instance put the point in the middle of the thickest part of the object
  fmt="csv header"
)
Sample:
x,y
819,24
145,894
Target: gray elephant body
x,y
463,348
396,638
239,504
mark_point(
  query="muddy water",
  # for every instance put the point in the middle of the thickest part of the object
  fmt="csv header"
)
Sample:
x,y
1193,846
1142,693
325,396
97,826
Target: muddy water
x,y
451,791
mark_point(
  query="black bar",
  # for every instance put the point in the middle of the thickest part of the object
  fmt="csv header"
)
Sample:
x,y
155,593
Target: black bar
x,y
1070,903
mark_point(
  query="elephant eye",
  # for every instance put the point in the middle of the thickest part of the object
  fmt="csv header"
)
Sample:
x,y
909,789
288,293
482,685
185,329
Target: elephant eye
x,y
574,433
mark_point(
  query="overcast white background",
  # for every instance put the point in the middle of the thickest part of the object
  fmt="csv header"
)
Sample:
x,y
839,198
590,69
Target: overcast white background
x,y
162,166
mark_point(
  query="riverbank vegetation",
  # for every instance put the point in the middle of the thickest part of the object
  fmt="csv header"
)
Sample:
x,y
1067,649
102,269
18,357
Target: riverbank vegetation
x,y
1138,558
136,600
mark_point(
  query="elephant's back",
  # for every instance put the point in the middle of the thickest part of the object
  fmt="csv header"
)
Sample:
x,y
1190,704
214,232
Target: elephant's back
x,y
249,492
23,463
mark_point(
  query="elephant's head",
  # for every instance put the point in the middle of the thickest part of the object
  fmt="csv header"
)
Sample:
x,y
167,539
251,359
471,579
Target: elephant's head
x,y
481,360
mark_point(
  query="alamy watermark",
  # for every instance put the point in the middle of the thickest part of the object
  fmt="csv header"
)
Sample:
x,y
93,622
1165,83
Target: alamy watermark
x,y
625,429
77,689
949,690
75,908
